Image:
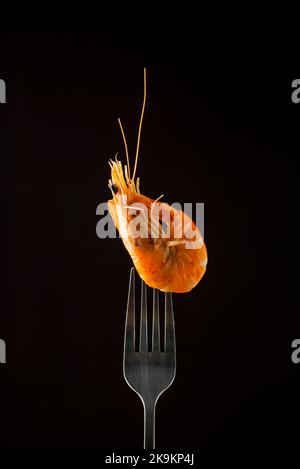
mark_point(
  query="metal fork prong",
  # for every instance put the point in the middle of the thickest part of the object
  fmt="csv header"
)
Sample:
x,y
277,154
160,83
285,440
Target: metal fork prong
x,y
155,322
169,324
143,322
129,342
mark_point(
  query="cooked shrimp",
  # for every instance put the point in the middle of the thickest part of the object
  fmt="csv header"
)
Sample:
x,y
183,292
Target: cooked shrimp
x,y
164,243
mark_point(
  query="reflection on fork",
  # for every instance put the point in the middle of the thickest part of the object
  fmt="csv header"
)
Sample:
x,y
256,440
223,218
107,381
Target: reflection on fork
x,y
149,373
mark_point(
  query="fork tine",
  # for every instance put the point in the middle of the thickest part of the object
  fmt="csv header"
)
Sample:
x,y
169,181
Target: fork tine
x,y
129,342
169,324
155,322
143,322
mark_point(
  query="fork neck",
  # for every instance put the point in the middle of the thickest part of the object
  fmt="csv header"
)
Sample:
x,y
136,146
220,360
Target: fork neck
x,y
149,425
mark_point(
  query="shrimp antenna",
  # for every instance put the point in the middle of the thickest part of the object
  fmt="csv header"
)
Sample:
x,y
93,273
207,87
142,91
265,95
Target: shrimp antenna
x,y
125,145
140,126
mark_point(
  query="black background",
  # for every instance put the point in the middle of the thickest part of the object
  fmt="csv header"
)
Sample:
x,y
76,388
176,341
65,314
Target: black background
x,y
217,129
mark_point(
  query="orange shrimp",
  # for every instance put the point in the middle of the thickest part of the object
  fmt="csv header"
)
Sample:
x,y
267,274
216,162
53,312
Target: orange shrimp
x,y
164,243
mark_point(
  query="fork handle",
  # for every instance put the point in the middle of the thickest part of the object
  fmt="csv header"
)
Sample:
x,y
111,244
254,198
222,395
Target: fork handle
x,y
149,425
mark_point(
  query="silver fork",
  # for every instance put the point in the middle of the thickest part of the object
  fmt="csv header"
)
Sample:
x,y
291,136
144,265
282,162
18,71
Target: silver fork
x,y
149,374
